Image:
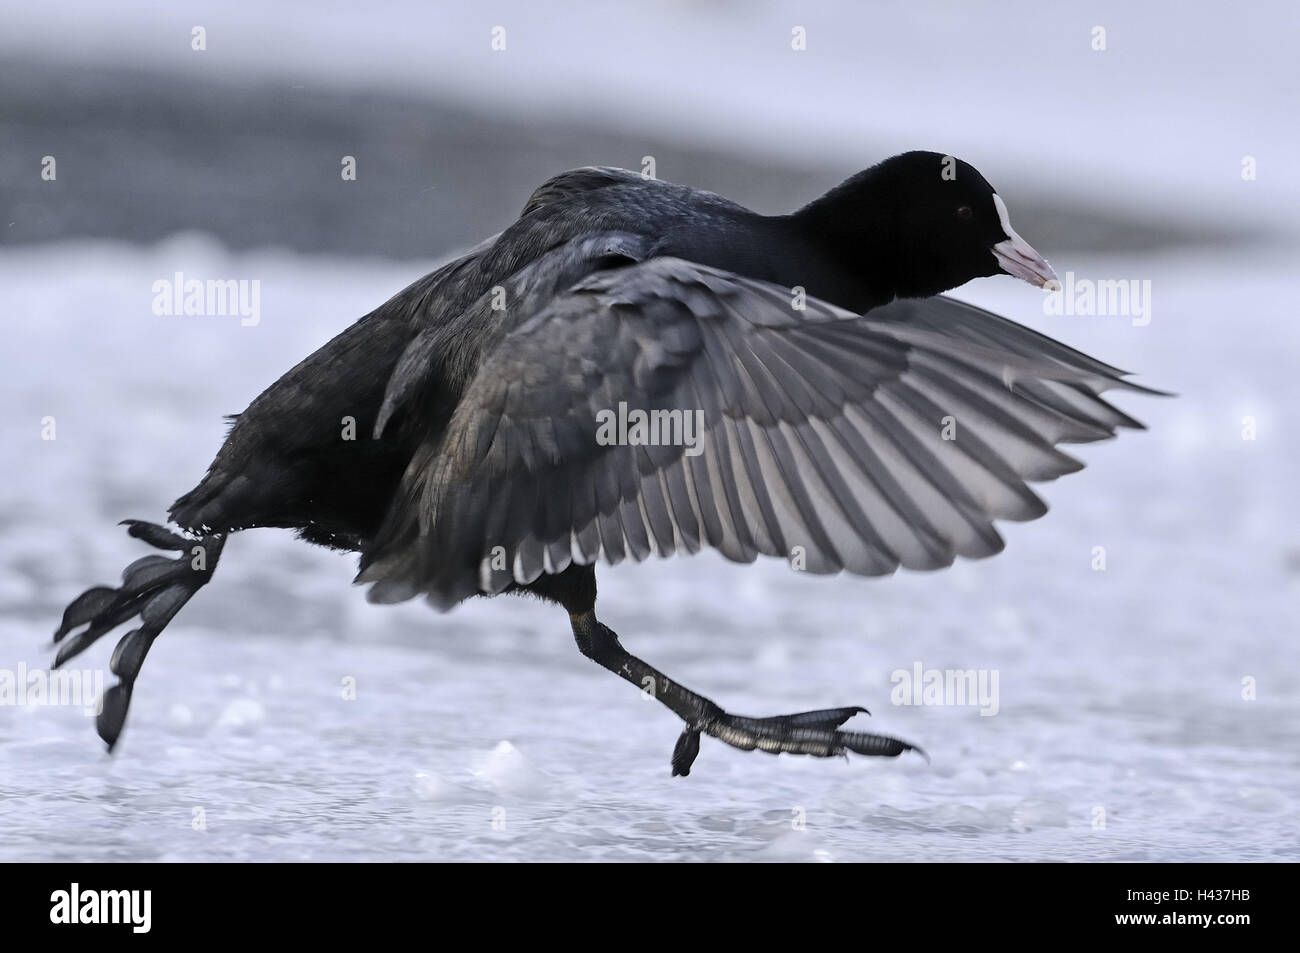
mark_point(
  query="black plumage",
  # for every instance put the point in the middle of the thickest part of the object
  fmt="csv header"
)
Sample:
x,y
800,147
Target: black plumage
x,y
809,348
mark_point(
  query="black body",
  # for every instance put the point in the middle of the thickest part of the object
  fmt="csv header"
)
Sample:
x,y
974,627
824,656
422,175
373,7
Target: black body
x,y
473,396
858,247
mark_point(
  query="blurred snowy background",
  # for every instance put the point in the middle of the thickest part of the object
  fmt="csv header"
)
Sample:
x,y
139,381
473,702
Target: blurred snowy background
x,y
1121,691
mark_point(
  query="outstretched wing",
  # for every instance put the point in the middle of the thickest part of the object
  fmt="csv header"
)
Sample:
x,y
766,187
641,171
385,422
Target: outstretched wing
x,y
846,442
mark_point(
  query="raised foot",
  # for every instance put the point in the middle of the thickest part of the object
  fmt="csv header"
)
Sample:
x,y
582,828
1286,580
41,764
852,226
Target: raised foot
x,y
811,732
153,588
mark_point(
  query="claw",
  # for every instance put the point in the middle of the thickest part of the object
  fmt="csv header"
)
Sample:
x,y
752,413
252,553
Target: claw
x,y
88,605
813,733
130,652
685,751
824,718
160,608
157,536
118,612
153,588
877,745
109,722
146,571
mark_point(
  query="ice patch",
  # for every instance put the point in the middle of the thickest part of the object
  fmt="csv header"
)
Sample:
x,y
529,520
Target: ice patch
x,y
242,714
504,769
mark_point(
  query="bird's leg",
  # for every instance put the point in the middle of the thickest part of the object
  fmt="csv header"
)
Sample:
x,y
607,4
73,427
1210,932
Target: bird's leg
x,y
153,588
811,732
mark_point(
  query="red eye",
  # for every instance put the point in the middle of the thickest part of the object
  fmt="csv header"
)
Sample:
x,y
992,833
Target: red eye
x,y
964,211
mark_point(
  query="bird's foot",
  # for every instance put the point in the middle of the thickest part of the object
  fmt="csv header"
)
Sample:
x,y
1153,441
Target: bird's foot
x,y
153,588
810,732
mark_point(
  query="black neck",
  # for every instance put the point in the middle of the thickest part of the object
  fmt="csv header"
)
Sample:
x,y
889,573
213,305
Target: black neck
x,y
854,260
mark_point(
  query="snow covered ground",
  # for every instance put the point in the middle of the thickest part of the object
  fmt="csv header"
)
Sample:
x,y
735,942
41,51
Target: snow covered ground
x,y
1147,711
484,733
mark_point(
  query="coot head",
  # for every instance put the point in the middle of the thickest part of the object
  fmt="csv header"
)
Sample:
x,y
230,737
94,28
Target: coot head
x,y
931,222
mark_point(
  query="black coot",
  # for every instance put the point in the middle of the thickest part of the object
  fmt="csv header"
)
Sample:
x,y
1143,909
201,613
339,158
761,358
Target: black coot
x,y
635,368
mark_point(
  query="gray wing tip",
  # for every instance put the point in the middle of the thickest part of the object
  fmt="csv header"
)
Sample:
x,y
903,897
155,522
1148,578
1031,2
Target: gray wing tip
x,y
1143,388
